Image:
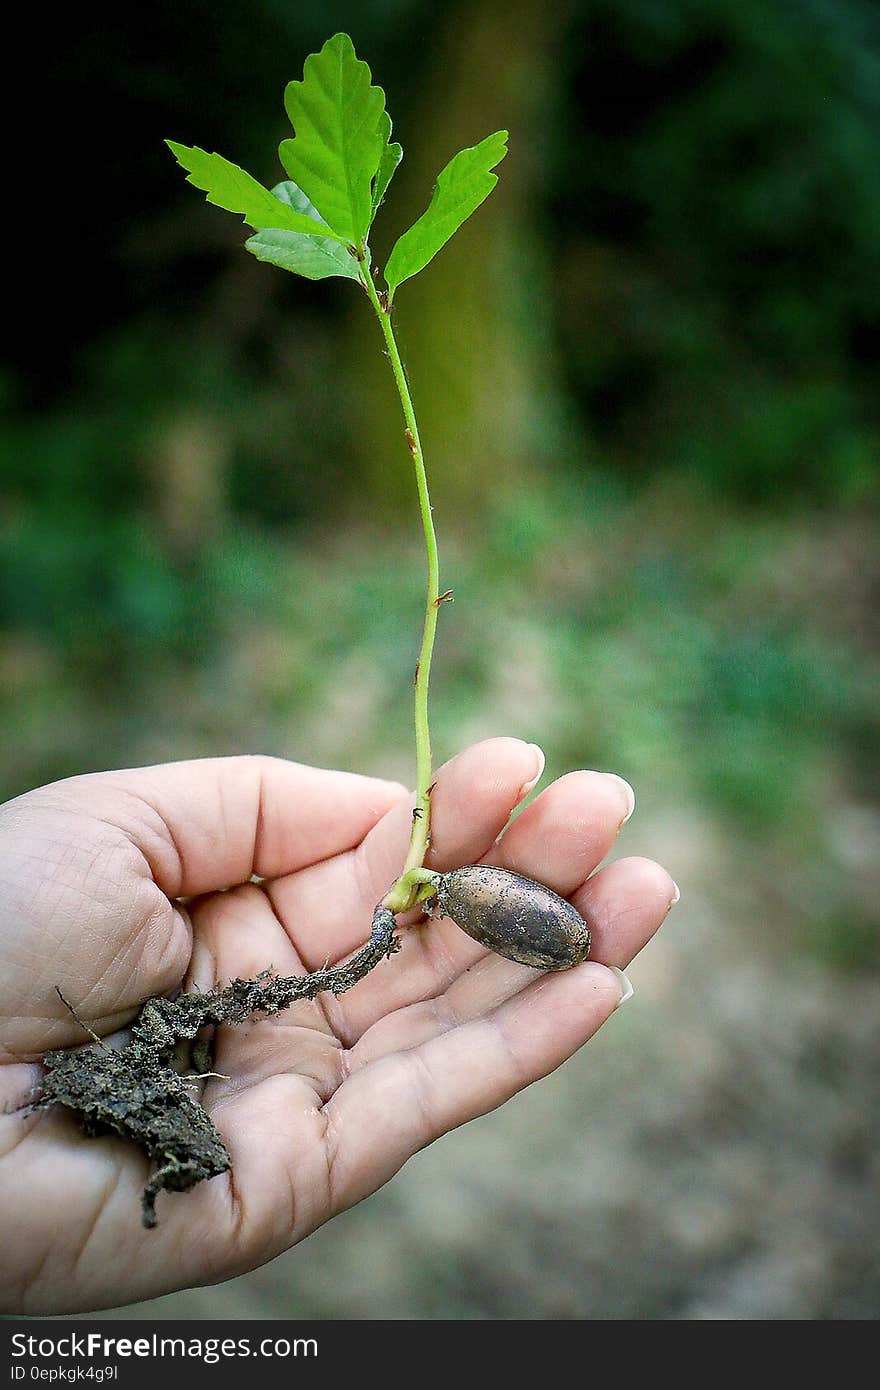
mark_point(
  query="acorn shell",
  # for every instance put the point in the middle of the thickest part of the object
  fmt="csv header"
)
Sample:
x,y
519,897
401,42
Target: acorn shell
x,y
514,916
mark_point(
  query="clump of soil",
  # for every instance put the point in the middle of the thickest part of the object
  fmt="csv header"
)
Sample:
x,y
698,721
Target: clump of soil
x,y
136,1091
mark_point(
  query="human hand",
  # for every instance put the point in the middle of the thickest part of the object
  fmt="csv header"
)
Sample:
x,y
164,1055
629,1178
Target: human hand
x,y
113,891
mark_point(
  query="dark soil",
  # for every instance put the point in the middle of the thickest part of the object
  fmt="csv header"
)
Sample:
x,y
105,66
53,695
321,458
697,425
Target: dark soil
x,y
137,1092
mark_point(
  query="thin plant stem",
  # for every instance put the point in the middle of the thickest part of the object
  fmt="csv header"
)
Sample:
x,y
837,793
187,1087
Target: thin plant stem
x,y
405,891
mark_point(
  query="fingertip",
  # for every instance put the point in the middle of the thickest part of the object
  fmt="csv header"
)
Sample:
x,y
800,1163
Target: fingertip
x,y
624,984
540,764
498,765
476,791
567,830
628,795
596,987
560,1012
644,878
624,903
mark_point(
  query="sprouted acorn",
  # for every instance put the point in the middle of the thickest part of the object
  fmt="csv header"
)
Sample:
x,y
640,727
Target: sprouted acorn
x,y
514,916
316,223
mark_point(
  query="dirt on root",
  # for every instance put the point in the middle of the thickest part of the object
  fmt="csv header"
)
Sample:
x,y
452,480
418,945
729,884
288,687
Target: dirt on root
x,y
138,1091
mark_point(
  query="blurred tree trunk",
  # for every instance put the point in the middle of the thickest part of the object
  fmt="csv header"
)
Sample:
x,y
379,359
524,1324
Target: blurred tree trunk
x,y
472,328
189,464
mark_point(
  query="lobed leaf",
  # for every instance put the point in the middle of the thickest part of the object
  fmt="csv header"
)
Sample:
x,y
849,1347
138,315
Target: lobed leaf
x,y
339,136
460,189
315,256
392,154
227,186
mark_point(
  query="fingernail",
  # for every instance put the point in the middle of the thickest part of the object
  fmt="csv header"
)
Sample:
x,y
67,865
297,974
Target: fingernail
x,y
676,897
533,782
626,986
630,795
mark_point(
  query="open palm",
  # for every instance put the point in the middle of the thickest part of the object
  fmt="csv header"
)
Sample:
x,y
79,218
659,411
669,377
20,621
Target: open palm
x,y
120,885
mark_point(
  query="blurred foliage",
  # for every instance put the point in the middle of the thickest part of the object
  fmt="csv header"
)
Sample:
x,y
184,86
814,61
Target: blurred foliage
x,y
648,379
724,249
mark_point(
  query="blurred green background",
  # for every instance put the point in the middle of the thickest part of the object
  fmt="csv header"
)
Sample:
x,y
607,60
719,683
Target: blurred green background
x,y
647,378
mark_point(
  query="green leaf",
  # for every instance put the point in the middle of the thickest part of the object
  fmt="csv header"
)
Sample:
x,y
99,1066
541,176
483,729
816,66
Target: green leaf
x,y
392,154
231,188
339,137
460,189
315,256
304,255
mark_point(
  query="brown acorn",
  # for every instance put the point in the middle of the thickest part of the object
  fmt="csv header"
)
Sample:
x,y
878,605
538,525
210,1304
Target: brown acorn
x,y
514,916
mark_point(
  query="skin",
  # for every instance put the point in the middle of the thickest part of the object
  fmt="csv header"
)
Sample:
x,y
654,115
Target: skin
x,y
113,890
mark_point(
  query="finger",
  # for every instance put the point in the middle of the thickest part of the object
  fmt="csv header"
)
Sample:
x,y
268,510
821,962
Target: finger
x,y
477,991
329,906
390,1109
624,903
557,840
237,935
213,822
567,830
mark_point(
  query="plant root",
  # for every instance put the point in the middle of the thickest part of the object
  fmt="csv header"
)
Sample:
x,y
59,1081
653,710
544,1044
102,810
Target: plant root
x,y
135,1091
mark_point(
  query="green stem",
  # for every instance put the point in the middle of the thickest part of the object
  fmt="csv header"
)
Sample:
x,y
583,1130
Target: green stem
x,y
405,891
